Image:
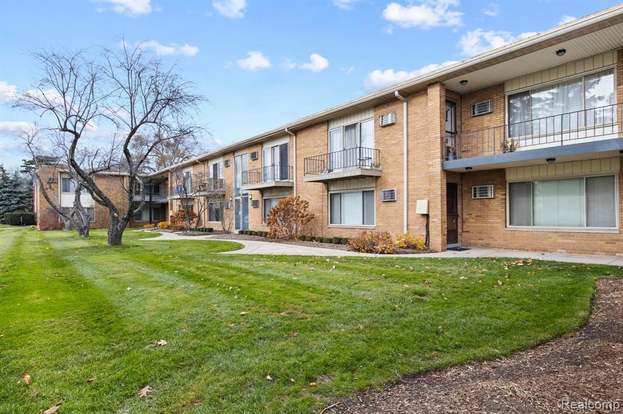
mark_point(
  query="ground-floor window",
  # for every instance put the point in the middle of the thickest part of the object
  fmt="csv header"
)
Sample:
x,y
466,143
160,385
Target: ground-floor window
x,y
589,202
214,211
355,208
269,203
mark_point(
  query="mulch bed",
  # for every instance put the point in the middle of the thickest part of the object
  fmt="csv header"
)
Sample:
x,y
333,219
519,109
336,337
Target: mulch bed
x,y
582,366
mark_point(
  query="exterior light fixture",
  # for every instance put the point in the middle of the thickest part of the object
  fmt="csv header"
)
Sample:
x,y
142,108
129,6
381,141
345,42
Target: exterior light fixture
x,y
550,160
468,168
463,82
561,52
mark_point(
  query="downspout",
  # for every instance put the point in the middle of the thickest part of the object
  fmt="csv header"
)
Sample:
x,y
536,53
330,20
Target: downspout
x,y
293,135
405,158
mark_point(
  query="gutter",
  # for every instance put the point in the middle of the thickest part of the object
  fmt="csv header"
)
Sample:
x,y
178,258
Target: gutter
x,y
405,161
293,135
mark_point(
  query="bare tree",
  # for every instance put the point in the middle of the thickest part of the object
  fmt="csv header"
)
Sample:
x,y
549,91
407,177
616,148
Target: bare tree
x,y
168,153
184,191
125,90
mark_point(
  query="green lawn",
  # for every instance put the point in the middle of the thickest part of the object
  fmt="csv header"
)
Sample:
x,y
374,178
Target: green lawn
x,y
252,333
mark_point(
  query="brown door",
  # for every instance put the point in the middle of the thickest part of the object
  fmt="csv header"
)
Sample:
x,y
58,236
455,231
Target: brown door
x,y
453,213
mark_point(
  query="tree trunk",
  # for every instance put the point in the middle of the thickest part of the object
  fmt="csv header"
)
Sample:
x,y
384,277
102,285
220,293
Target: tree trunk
x,y
115,230
80,217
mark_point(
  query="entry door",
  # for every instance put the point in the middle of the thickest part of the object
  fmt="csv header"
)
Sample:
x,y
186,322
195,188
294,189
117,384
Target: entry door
x,y
453,213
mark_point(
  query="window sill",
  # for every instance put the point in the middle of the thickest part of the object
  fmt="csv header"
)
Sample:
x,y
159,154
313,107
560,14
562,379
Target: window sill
x,y
349,226
564,229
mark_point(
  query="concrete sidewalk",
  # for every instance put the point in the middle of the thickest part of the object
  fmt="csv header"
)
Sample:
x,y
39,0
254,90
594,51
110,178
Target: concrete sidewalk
x,y
272,248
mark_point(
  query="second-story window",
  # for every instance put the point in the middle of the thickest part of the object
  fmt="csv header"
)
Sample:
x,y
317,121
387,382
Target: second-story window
x,y
68,185
188,182
581,103
348,145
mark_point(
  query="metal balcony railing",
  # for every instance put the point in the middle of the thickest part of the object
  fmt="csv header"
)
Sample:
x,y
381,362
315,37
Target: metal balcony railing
x,y
357,157
555,130
267,174
208,185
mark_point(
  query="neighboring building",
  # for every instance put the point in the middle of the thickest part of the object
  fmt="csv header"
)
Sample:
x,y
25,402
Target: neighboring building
x,y
60,187
519,147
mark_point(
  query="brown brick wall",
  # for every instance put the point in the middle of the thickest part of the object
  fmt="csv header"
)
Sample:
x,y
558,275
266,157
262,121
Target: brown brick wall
x,y
484,224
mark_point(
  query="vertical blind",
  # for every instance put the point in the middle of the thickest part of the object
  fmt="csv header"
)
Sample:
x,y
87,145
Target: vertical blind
x,y
576,202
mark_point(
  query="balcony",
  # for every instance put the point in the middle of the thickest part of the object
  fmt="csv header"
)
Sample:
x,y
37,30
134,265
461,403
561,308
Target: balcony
x,y
268,177
350,162
160,196
207,186
589,132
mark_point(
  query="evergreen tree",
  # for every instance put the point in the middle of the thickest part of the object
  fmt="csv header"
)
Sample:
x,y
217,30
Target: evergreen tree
x,y
15,193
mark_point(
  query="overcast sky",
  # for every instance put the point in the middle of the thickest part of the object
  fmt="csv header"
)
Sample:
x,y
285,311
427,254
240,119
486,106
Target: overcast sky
x,y
262,63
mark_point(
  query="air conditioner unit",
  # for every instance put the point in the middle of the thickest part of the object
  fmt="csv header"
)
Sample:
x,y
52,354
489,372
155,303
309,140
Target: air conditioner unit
x,y
226,163
387,119
388,195
480,192
254,155
482,108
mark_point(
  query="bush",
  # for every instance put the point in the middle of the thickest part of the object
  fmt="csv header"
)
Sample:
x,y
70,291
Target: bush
x,y
409,241
164,225
373,242
19,218
288,218
179,218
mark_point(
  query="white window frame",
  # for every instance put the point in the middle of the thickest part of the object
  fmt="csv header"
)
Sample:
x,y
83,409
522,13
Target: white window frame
x,y
617,203
351,226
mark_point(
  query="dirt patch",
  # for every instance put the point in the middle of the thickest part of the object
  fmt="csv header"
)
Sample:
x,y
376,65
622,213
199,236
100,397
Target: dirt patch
x,y
580,367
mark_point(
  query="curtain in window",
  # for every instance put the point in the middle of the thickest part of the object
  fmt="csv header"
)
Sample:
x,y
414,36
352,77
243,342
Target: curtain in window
x,y
559,203
519,114
601,201
336,208
368,207
520,200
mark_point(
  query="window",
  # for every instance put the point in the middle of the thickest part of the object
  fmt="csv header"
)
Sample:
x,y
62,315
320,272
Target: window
x,y
585,102
347,145
68,185
269,203
138,216
188,182
588,202
214,211
352,208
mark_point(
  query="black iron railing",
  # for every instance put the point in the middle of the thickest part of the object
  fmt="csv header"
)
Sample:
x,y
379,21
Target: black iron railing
x,y
357,157
267,174
562,129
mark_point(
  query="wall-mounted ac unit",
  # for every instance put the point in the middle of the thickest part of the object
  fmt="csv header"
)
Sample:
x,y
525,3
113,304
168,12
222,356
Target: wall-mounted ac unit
x,y
255,203
387,119
482,108
480,192
226,163
254,156
388,195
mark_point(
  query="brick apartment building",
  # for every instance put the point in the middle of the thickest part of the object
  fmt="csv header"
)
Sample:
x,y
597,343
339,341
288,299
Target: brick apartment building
x,y
519,147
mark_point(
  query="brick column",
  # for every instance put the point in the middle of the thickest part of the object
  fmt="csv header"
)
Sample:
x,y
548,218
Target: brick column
x,y
437,178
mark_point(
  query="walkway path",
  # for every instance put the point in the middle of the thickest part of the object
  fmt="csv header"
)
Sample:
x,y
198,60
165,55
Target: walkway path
x,y
268,248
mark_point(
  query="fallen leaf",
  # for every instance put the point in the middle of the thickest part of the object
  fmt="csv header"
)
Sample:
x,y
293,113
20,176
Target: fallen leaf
x,y
91,380
145,391
269,378
53,409
243,313
161,342
26,378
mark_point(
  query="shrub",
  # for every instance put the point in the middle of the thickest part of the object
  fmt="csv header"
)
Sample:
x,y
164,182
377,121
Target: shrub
x,y
288,218
164,225
180,218
409,241
373,242
19,218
